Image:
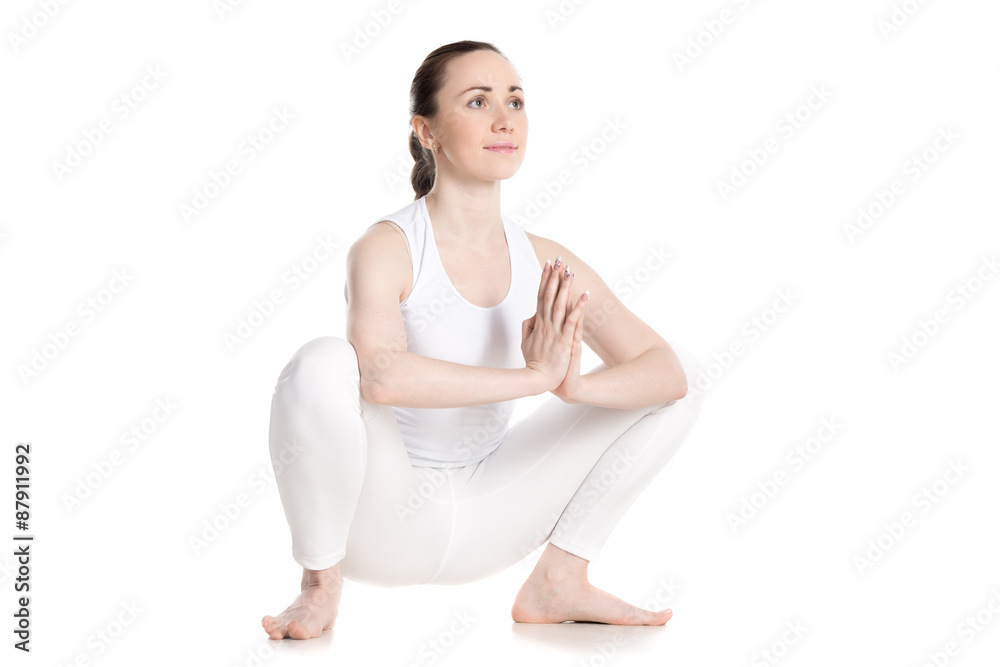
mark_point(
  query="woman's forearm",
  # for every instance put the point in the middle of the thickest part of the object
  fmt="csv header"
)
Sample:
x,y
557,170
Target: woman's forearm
x,y
415,381
653,377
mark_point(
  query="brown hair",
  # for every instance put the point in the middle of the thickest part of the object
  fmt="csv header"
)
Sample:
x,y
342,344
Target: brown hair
x,y
423,102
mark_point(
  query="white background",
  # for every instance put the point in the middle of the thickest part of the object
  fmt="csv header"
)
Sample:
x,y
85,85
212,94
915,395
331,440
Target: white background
x,y
342,163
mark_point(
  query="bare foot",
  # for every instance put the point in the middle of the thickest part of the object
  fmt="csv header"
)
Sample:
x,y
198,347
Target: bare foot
x,y
314,610
557,591
556,602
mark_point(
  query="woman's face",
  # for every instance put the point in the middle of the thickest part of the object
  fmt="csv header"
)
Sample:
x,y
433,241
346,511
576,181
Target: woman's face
x,y
477,108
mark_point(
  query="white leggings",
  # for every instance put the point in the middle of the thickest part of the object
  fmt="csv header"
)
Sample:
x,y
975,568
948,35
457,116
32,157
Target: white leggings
x,y
565,473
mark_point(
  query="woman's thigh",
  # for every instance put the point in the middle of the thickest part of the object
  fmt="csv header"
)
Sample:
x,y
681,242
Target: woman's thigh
x,y
403,520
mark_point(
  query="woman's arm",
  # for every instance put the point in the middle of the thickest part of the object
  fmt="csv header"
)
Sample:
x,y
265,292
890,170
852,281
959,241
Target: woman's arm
x,y
378,271
415,381
655,372
642,368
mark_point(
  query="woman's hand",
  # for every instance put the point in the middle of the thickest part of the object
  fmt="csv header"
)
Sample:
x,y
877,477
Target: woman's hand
x,y
550,336
570,386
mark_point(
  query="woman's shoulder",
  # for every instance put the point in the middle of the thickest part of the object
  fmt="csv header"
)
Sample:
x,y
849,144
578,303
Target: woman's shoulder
x,y
383,241
388,237
382,252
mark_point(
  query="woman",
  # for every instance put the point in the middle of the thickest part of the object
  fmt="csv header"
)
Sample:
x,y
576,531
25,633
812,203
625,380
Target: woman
x,y
398,464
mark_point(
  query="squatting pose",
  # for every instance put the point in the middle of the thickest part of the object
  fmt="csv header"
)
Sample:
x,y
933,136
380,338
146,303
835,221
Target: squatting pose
x,y
399,466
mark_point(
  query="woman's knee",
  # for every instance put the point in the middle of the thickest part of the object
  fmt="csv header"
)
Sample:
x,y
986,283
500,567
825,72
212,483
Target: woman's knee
x,y
322,365
694,370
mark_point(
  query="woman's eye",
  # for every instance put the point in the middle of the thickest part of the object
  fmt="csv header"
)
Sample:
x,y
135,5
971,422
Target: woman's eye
x,y
519,101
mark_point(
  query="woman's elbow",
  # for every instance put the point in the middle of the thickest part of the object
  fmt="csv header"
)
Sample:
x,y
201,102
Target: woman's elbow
x,y
373,386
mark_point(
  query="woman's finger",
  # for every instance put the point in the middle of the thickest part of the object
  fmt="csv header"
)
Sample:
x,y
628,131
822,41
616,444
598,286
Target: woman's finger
x,y
565,279
577,312
550,291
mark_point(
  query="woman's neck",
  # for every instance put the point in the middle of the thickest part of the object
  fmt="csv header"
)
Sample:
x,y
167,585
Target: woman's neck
x,y
469,218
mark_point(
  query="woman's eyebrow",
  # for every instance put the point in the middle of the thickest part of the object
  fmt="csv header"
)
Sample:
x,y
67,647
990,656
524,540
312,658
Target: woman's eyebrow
x,y
488,89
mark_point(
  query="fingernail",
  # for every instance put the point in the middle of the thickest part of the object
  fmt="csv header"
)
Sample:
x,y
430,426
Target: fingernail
x,y
586,295
566,272
558,260
547,264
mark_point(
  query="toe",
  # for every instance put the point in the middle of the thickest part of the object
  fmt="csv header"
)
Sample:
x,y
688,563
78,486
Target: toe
x,y
273,627
296,631
660,617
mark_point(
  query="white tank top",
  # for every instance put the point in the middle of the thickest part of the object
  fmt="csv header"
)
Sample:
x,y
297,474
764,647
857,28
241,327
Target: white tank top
x,y
441,324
